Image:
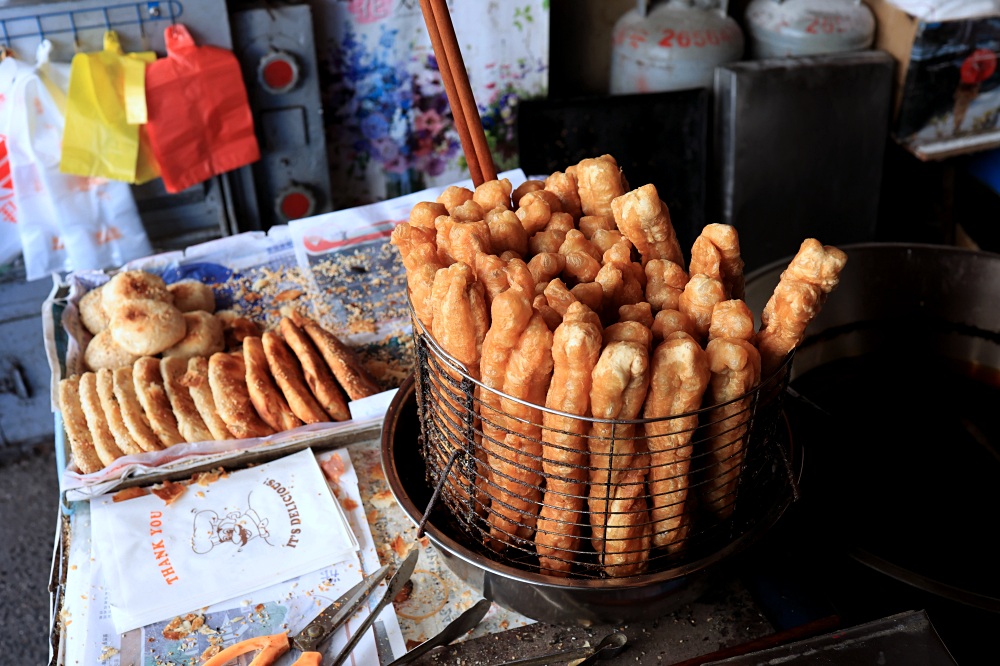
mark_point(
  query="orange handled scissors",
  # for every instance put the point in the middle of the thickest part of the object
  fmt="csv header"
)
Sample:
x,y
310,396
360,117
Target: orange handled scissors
x,y
330,619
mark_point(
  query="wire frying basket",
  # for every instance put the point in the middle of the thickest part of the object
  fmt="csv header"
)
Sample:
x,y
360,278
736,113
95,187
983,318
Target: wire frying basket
x,y
588,498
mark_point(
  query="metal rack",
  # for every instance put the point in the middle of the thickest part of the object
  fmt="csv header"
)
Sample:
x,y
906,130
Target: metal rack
x,y
737,476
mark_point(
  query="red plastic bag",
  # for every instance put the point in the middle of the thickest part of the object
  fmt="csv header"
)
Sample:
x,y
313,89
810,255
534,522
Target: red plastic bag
x,y
200,123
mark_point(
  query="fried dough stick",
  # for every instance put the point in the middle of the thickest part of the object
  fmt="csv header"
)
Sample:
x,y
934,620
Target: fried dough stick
x,y
459,324
680,375
802,290
698,300
735,370
422,264
518,470
599,180
645,220
511,312
619,384
628,531
576,346
716,253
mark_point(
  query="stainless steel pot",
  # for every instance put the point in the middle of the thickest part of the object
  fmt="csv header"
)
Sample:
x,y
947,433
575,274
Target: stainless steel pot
x,y
538,596
899,385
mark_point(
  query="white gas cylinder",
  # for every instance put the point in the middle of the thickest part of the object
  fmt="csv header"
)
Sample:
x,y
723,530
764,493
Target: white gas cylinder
x,y
781,28
673,46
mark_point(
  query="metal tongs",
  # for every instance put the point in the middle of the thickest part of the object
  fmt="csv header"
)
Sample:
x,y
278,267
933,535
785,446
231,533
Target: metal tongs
x,y
315,634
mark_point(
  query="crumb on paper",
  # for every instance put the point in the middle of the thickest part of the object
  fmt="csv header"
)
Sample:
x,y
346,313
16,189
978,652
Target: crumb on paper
x,y
376,473
129,493
425,542
371,516
333,468
348,504
211,651
168,491
181,627
107,653
399,546
288,295
383,499
208,478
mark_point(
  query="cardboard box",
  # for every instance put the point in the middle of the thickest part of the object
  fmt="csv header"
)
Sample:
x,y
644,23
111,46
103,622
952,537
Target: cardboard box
x,y
947,99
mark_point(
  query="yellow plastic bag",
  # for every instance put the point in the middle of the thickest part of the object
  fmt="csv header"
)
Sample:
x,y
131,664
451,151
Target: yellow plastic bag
x,y
105,111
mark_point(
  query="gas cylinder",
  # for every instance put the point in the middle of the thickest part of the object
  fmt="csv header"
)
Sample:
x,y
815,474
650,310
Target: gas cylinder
x,y
675,45
780,28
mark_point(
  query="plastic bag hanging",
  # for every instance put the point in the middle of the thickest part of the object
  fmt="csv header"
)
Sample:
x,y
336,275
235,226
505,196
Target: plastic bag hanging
x,y
215,132
66,222
10,240
105,113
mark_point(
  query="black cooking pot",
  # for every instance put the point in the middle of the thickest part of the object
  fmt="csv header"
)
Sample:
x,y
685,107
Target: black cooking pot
x,y
896,396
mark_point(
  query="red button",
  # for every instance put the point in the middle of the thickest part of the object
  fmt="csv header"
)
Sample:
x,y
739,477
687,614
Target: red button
x,y
278,74
296,205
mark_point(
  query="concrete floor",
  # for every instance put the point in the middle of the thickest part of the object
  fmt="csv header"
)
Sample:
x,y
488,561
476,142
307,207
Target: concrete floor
x,y
29,505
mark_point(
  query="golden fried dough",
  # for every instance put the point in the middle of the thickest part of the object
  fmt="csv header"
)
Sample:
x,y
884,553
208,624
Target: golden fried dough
x,y
619,384
318,375
716,253
542,307
534,210
519,466
113,413
424,213
731,319
698,300
189,422
545,266
599,181
131,286
103,352
131,409
460,317
628,529
589,225
81,443
454,196
590,294
289,377
735,368
665,282
104,441
203,337
190,295
227,377
146,327
155,403
680,376
546,240
671,321
420,282
576,346
802,289
196,381
91,308
564,186
265,395
506,232
645,220
638,312
529,185
494,194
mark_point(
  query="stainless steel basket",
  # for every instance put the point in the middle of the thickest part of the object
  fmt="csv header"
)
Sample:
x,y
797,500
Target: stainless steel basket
x,y
736,470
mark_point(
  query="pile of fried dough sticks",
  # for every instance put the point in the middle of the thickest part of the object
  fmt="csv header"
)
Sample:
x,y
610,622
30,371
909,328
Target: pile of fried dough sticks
x,y
572,293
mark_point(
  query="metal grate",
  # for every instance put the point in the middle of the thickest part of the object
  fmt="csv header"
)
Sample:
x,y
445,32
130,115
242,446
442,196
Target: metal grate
x,y
591,498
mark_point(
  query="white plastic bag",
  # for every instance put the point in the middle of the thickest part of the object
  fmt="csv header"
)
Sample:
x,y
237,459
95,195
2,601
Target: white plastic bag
x,y
66,222
10,240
